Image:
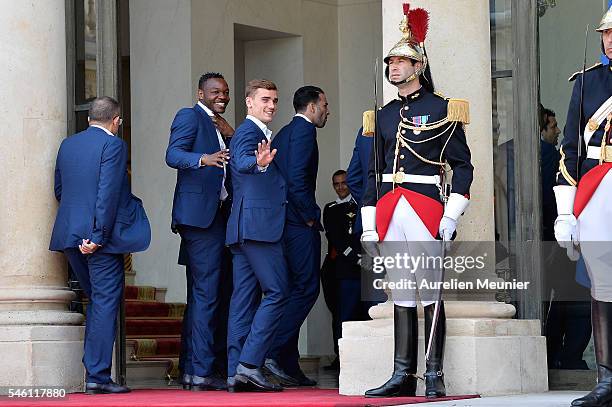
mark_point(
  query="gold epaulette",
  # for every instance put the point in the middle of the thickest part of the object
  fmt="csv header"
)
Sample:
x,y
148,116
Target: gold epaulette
x,y
458,111
575,74
368,123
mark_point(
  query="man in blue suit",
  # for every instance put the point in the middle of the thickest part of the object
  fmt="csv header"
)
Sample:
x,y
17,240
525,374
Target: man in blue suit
x,y
254,232
197,150
98,220
298,161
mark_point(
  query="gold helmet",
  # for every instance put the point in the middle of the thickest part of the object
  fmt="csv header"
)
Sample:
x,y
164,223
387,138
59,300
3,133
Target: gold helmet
x,y
606,21
412,44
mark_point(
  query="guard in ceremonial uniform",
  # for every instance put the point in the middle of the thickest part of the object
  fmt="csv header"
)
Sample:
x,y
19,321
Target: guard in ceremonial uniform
x,y
583,193
417,135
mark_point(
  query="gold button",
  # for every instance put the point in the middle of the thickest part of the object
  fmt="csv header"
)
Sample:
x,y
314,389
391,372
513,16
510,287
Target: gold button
x,y
402,157
403,131
402,169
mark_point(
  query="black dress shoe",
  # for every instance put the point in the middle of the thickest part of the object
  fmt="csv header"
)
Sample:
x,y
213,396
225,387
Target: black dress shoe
x,y
271,368
199,383
186,381
252,380
303,380
105,388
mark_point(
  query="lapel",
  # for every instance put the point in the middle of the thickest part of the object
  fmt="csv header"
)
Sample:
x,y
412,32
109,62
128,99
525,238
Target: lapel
x,y
209,128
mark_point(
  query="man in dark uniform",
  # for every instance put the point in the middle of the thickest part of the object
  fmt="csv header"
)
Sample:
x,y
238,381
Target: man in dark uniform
x,y
341,277
357,176
418,134
583,193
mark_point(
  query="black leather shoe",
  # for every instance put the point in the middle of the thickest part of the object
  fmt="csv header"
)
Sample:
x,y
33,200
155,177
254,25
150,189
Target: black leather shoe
x,y
105,388
186,381
601,395
199,383
303,380
405,336
252,380
272,369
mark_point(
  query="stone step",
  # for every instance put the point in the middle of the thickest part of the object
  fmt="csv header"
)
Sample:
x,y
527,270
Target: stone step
x,y
575,380
141,370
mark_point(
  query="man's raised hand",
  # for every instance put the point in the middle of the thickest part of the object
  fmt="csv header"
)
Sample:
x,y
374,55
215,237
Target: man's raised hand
x,y
263,154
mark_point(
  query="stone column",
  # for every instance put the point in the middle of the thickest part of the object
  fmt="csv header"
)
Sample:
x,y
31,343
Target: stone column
x,y
41,342
487,352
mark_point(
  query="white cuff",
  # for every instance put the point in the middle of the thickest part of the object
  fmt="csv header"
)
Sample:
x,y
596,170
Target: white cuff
x,y
261,169
368,218
455,206
565,195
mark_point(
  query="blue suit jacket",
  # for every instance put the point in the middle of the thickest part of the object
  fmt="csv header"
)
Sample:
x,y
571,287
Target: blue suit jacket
x,y
259,198
198,189
357,172
92,187
298,161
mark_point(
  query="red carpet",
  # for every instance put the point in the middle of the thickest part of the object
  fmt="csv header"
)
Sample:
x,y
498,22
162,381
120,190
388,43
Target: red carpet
x,y
164,398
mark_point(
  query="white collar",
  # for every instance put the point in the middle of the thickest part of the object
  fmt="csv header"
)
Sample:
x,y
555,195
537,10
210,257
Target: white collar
x,y
260,124
347,198
303,117
103,128
205,108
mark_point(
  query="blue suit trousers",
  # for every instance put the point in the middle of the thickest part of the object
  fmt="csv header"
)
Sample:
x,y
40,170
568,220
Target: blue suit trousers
x,y
101,277
204,249
302,246
259,267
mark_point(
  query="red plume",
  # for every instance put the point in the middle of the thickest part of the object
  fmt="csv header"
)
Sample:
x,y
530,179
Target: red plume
x,y
406,9
418,20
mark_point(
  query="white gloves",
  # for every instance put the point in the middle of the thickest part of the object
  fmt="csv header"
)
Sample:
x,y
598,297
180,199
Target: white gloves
x,y
455,206
566,225
447,228
368,221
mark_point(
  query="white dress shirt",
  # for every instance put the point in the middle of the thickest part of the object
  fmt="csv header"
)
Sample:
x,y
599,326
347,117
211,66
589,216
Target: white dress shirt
x,y
267,132
346,199
103,128
209,112
303,117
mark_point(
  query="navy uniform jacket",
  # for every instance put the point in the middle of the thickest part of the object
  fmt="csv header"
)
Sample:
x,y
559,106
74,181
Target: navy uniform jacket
x,y
339,221
92,187
198,189
259,198
298,161
597,89
427,107
357,172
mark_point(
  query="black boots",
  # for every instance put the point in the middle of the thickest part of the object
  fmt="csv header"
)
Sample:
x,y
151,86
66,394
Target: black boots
x,y
601,395
434,378
405,334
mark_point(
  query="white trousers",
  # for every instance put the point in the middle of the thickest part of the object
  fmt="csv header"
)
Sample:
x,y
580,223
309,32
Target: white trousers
x,y
595,235
408,234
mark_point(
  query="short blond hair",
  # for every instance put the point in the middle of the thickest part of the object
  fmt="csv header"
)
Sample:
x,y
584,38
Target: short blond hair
x,y
255,84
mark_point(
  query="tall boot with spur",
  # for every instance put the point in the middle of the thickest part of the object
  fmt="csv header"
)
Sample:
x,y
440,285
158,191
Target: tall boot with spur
x,y
434,378
405,334
601,395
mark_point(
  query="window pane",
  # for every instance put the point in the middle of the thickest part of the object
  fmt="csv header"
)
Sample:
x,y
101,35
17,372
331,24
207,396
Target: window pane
x,y
86,46
501,35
